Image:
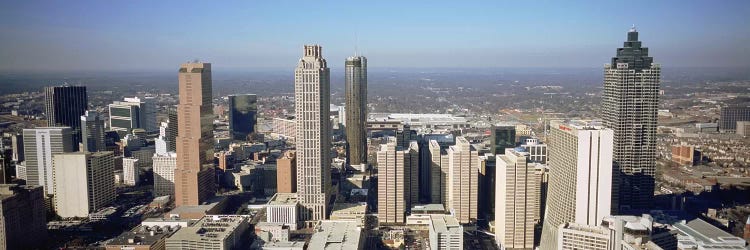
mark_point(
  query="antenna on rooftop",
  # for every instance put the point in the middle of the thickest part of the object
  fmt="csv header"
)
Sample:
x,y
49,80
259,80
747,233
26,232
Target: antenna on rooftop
x,y
356,44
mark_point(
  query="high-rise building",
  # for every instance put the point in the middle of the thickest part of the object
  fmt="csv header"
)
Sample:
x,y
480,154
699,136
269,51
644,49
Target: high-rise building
x,y
92,132
356,109
194,173
463,181
629,107
730,115
83,182
23,217
398,189
131,171
517,197
312,106
40,145
133,113
437,161
16,142
486,189
286,173
502,137
164,166
243,115
170,131
580,187
64,106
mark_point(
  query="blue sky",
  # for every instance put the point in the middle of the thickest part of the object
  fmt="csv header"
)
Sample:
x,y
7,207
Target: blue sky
x,y
250,35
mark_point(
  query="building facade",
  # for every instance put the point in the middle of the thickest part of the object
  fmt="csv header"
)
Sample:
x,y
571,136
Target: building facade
x,y
629,105
40,145
83,183
164,166
445,233
463,181
194,173
396,172
356,109
580,176
502,137
286,173
64,106
517,196
23,214
132,113
730,115
92,132
243,115
312,106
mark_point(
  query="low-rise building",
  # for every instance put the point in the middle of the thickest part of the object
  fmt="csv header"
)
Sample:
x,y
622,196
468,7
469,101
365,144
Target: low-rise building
x,y
445,233
337,235
354,212
221,232
283,208
142,238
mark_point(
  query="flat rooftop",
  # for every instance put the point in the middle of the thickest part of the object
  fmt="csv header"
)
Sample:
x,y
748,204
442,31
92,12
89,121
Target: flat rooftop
x,y
445,224
210,228
283,199
337,235
428,208
349,208
141,235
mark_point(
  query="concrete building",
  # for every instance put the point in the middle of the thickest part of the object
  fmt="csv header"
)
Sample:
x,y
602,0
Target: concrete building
x,y
16,142
437,161
580,174
743,128
698,234
285,129
355,212
23,214
164,167
243,115
64,106
133,113
286,173
581,236
40,145
537,151
131,171
83,183
194,173
730,115
445,233
356,109
397,181
502,137
283,208
685,155
92,132
629,107
221,232
463,181
518,197
142,238
312,106
337,235
419,122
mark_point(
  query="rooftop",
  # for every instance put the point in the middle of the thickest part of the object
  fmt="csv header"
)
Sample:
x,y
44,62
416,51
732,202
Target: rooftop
x,y
283,199
428,208
700,232
445,224
142,235
211,227
349,208
336,235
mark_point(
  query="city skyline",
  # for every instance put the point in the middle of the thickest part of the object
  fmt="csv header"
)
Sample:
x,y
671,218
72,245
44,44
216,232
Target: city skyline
x,y
484,34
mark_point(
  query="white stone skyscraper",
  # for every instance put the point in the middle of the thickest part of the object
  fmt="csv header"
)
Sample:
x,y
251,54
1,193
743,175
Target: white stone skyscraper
x,y
580,177
517,198
356,109
40,145
463,181
629,108
312,107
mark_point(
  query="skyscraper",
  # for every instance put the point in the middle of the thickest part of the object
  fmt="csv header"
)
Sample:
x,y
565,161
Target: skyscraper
x,y
356,109
194,174
463,181
83,182
64,106
312,106
133,113
629,107
730,115
40,144
243,112
398,180
580,176
286,173
22,214
164,166
92,132
502,137
517,198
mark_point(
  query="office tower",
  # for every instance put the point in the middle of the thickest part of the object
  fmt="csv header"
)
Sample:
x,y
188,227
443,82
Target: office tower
x,y
40,144
194,174
312,106
730,115
580,175
445,233
537,150
486,189
6,164
131,171
164,166
286,173
463,178
502,137
517,198
405,135
132,113
438,165
398,186
16,142
64,106
83,182
629,107
356,109
23,217
92,132
171,129
243,112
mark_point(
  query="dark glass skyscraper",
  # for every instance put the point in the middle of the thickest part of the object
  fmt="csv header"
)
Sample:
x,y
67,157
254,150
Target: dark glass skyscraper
x,y
502,137
730,115
64,107
243,112
629,107
356,109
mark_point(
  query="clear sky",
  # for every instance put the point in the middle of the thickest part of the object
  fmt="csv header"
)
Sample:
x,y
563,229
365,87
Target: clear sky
x,y
250,35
